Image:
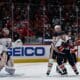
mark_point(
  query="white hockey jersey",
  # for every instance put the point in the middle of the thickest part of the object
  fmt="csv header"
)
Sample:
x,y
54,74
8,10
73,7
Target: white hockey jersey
x,y
59,40
5,43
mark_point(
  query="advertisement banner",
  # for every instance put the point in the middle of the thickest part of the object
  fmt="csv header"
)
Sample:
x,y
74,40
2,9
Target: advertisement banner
x,y
30,51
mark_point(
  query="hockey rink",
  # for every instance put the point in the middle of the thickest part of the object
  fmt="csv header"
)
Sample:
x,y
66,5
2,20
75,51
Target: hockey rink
x,y
37,71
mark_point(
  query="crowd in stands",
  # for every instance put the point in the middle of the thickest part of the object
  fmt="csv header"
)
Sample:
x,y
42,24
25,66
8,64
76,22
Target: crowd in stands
x,y
36,18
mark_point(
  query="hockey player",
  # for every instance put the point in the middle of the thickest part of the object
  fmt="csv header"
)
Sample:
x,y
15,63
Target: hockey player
x,y
53,50
5,59
61,50
73,50
66,51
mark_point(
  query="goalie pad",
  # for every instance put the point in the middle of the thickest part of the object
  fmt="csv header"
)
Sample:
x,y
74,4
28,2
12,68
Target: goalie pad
x,y
10,66
10,70
3,59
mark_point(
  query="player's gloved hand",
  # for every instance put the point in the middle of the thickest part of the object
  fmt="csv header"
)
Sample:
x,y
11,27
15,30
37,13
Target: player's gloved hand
x,y
10,70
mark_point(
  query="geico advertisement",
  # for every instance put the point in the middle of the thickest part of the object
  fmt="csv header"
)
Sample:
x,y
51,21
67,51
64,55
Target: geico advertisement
x,y
30,51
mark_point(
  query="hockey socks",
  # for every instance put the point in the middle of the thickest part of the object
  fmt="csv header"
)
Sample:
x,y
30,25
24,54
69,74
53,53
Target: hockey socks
x,y
75,70
50,64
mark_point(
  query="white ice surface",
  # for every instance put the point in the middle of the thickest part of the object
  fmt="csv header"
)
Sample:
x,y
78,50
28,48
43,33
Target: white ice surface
x,y
37,71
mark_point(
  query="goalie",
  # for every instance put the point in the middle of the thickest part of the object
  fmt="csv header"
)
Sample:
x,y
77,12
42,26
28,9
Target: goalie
x,y
5,59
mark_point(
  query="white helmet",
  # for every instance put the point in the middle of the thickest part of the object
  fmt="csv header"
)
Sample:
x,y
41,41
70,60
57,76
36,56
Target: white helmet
x,y
57,26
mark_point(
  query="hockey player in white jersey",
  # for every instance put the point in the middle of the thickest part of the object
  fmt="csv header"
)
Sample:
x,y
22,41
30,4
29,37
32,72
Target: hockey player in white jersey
x,y
5,59
60,49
